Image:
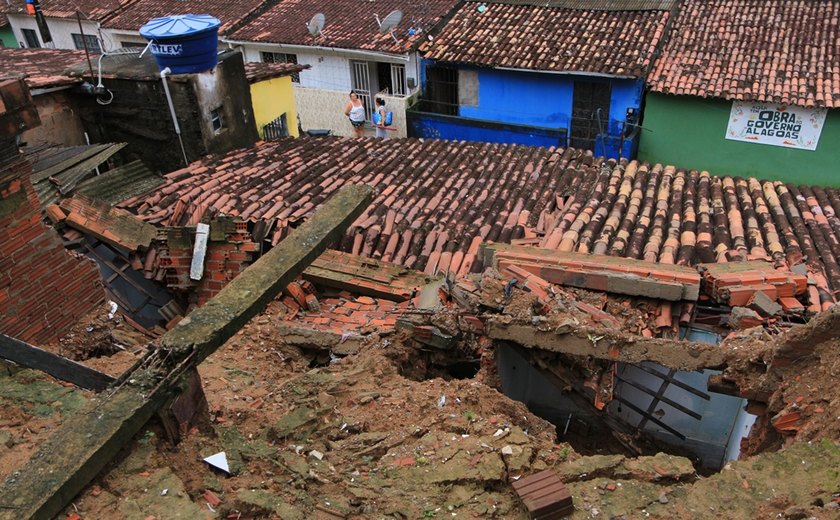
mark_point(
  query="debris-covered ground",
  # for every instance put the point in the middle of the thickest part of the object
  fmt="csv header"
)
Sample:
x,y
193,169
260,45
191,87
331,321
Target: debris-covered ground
x,y
355,438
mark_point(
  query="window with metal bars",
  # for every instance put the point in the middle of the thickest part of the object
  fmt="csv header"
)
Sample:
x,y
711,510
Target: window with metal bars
x,y
281,57
30,37
80,41
441,91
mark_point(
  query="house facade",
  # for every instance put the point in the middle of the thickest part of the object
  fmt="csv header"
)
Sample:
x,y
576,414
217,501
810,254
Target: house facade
x,y
72,24
52,93
273,98
350,52
556,73
757,82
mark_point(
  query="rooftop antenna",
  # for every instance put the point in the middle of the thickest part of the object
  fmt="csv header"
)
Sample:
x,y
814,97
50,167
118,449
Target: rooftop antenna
x,y
390,22
316,24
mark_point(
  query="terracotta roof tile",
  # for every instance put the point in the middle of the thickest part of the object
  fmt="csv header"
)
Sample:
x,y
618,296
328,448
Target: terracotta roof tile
x,y
550,38
90,9
350,24
41,68
779,51
440,198
138,12
256,71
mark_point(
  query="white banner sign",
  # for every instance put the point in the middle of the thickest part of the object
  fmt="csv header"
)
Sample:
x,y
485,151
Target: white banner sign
x,y
778,125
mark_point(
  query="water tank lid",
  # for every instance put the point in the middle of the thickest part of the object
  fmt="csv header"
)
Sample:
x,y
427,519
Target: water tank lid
x,y
178,26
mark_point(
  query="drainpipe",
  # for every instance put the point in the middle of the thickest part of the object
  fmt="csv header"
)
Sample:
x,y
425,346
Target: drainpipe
x,y
163,74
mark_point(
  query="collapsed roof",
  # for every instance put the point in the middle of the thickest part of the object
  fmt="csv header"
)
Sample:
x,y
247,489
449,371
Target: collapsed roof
x,y
439,200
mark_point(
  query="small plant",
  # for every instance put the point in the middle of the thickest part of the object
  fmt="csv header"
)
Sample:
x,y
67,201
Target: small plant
x,y
421,460
564,454
469,416
429,513
147,437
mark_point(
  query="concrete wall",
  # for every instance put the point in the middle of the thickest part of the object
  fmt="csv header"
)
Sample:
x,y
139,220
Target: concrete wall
x,y
689,132
225,87
7,37
61,30
330,68
320,108
60,123
271,99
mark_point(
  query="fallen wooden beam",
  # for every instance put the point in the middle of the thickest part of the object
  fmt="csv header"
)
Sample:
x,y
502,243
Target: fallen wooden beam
x,y
366,276
598,272
79,449
30,356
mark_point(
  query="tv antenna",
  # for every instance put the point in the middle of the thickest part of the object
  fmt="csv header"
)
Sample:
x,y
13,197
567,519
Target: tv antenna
x,y
316,24
390,22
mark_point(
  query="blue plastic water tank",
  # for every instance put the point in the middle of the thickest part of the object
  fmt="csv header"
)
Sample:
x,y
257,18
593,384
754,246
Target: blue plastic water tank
x,y
185,43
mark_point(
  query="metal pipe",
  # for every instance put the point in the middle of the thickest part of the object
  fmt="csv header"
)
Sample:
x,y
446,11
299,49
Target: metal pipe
x,y
163,74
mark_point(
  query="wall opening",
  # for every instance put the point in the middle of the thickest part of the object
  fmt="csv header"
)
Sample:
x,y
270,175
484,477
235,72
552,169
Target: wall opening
x,y
645,409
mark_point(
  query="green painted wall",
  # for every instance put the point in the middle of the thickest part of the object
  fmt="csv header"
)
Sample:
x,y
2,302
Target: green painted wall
x,y
688,132
7,36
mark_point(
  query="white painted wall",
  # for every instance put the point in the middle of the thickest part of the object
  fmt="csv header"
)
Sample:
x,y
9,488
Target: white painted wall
x,y
61,30
330,68
118,36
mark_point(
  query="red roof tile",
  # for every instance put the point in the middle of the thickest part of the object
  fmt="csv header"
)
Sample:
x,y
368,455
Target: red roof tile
x,y
550,38
350,24
256,71
138,12
438,200
90,9
41,68
780,51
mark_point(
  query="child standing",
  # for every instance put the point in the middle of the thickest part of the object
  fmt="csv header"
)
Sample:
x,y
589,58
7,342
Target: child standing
x,y
380,125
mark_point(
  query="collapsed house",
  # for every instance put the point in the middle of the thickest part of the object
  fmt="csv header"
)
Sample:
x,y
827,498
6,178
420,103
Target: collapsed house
x,y
637,307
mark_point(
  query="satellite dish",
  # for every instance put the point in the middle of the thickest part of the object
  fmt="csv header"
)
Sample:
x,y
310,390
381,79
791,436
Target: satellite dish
x,y
316,24
392,20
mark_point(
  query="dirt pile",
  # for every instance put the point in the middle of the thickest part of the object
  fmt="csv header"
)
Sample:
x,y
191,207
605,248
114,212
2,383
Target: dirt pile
x,y
791,380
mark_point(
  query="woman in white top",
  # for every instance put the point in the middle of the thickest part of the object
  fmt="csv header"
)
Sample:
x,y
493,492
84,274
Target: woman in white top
x,y
355,110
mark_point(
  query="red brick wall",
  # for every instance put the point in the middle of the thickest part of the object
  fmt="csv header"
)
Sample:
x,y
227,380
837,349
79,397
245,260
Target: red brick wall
x,y
44,289
223,261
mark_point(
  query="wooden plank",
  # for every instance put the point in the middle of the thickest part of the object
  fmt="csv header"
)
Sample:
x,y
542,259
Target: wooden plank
x,y
78,450
61,368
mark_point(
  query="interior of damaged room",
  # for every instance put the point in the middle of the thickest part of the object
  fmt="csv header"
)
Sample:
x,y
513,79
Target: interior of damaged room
x,y
206,315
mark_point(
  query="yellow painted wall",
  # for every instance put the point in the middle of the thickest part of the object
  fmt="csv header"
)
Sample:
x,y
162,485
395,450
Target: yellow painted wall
x,y
272,98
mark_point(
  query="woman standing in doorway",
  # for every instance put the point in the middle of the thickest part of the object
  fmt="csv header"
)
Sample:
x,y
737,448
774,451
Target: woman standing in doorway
x,y
355,110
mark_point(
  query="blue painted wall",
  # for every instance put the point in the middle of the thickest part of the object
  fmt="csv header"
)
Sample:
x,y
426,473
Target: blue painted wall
x,y
540,100
437,126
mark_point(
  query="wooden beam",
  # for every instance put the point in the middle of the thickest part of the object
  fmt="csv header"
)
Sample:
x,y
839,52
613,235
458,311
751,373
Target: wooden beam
x,y
30,356
79,449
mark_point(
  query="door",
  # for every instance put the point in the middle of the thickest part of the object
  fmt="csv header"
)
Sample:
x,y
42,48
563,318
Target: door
x,y
361,84
590,113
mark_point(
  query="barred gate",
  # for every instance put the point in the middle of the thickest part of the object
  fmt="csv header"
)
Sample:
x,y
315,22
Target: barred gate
x,y
276,129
